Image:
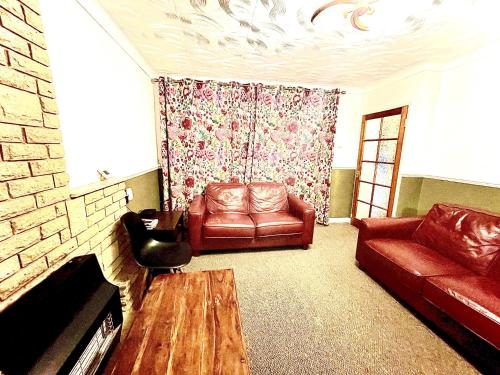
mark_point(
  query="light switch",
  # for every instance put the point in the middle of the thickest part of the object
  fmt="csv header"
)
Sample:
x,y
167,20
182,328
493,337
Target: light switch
x,y
129,194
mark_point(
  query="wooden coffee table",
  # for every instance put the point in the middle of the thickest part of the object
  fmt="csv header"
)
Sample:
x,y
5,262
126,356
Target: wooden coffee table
x,y
188,324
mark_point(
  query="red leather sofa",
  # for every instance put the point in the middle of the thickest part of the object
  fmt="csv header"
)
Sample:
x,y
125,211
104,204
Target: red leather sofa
x,y
238,216
445,265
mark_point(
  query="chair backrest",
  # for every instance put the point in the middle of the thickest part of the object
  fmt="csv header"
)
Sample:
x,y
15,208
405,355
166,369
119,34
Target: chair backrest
x,y
136,230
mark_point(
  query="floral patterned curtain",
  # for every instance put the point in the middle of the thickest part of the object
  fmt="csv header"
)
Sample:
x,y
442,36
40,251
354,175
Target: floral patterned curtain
x,y
294,134
217,131
208,126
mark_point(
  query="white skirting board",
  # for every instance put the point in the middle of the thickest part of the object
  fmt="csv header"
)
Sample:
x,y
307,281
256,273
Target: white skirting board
x,y
333,220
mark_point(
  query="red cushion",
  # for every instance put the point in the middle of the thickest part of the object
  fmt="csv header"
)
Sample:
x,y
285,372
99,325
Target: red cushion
x,y
228,225
473,301
226,197
469,237
276,224
410,263
494,271
267,197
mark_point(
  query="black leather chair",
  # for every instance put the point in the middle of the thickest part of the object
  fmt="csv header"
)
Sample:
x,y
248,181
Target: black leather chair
x,y
150,253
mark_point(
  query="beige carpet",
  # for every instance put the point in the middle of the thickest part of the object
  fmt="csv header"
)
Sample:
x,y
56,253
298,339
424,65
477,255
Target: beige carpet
x,y
314,312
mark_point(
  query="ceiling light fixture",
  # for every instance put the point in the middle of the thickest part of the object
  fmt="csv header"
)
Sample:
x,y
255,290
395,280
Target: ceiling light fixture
x,y
359,8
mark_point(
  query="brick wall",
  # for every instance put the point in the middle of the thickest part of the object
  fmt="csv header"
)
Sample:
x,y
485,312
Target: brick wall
x,y
41,227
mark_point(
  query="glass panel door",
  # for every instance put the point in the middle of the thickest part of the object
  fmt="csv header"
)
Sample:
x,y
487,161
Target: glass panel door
x,y
378,163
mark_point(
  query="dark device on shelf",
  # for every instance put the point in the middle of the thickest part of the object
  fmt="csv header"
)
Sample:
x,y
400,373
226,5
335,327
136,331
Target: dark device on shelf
x,y
147,213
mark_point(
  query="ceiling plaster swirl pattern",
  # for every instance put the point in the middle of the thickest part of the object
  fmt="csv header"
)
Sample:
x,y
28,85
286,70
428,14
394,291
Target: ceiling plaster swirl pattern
x,y
274,40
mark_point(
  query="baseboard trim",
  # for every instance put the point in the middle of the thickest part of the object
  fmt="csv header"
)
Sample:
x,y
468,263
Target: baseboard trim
x,y
333,220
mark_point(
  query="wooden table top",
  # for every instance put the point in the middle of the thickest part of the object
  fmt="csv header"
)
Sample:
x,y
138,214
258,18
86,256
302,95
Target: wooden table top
x,y
188,324
167,220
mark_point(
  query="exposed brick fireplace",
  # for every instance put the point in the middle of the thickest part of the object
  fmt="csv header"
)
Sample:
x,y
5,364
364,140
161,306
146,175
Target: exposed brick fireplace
x,y
42,222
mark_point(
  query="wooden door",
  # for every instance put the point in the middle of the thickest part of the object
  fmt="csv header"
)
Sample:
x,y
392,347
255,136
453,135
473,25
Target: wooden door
x,y
379,152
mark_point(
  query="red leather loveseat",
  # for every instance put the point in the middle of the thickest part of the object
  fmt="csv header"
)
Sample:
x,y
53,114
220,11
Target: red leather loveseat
x,y
445,265
260,214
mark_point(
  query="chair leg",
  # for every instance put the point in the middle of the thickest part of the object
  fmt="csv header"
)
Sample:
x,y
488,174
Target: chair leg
x,y
305,247
177,270
149,279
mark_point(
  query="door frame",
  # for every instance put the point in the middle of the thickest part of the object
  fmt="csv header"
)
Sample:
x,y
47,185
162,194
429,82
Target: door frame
x,y
403,111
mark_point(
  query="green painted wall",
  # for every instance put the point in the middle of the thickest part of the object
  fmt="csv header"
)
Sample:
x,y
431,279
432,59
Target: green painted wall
x,y
409,196
434,190
146,189
417,195
341,191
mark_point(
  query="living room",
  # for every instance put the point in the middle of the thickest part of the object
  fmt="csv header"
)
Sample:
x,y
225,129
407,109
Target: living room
x,y
89,85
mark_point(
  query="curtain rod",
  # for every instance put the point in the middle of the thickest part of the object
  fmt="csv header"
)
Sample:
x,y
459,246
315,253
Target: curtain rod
x,y
155,80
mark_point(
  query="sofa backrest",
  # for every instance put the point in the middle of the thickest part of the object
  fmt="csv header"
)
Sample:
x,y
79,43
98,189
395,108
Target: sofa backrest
x,y
267,197
468,236
226,197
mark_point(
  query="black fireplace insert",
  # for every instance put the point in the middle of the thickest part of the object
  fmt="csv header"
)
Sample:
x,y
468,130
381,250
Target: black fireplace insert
x,y
67,324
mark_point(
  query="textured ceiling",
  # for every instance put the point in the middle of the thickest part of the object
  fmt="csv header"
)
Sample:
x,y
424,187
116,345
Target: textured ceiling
x,y
274,40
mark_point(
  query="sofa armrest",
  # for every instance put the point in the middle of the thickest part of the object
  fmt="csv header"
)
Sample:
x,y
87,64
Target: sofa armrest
x,y
196,215
304,212
388,227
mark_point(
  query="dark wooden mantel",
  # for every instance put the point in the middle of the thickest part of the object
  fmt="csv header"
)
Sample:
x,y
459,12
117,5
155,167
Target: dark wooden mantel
x,y
188,324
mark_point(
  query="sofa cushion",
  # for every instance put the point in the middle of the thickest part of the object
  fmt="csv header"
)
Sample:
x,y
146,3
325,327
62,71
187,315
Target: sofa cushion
x,y
473,301
494,271
409,262
228,225
267,197
226,197
469,237
276,224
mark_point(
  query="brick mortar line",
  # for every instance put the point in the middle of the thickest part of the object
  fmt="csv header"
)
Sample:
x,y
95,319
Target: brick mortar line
x,y
30,126
23,37
7,48
24,18
23,72
21,89
27,6
15,15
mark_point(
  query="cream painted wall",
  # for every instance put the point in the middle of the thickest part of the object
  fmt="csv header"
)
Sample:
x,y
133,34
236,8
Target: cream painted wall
x,y
419,90
107,111
348,128
105,97
466,131
450,131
